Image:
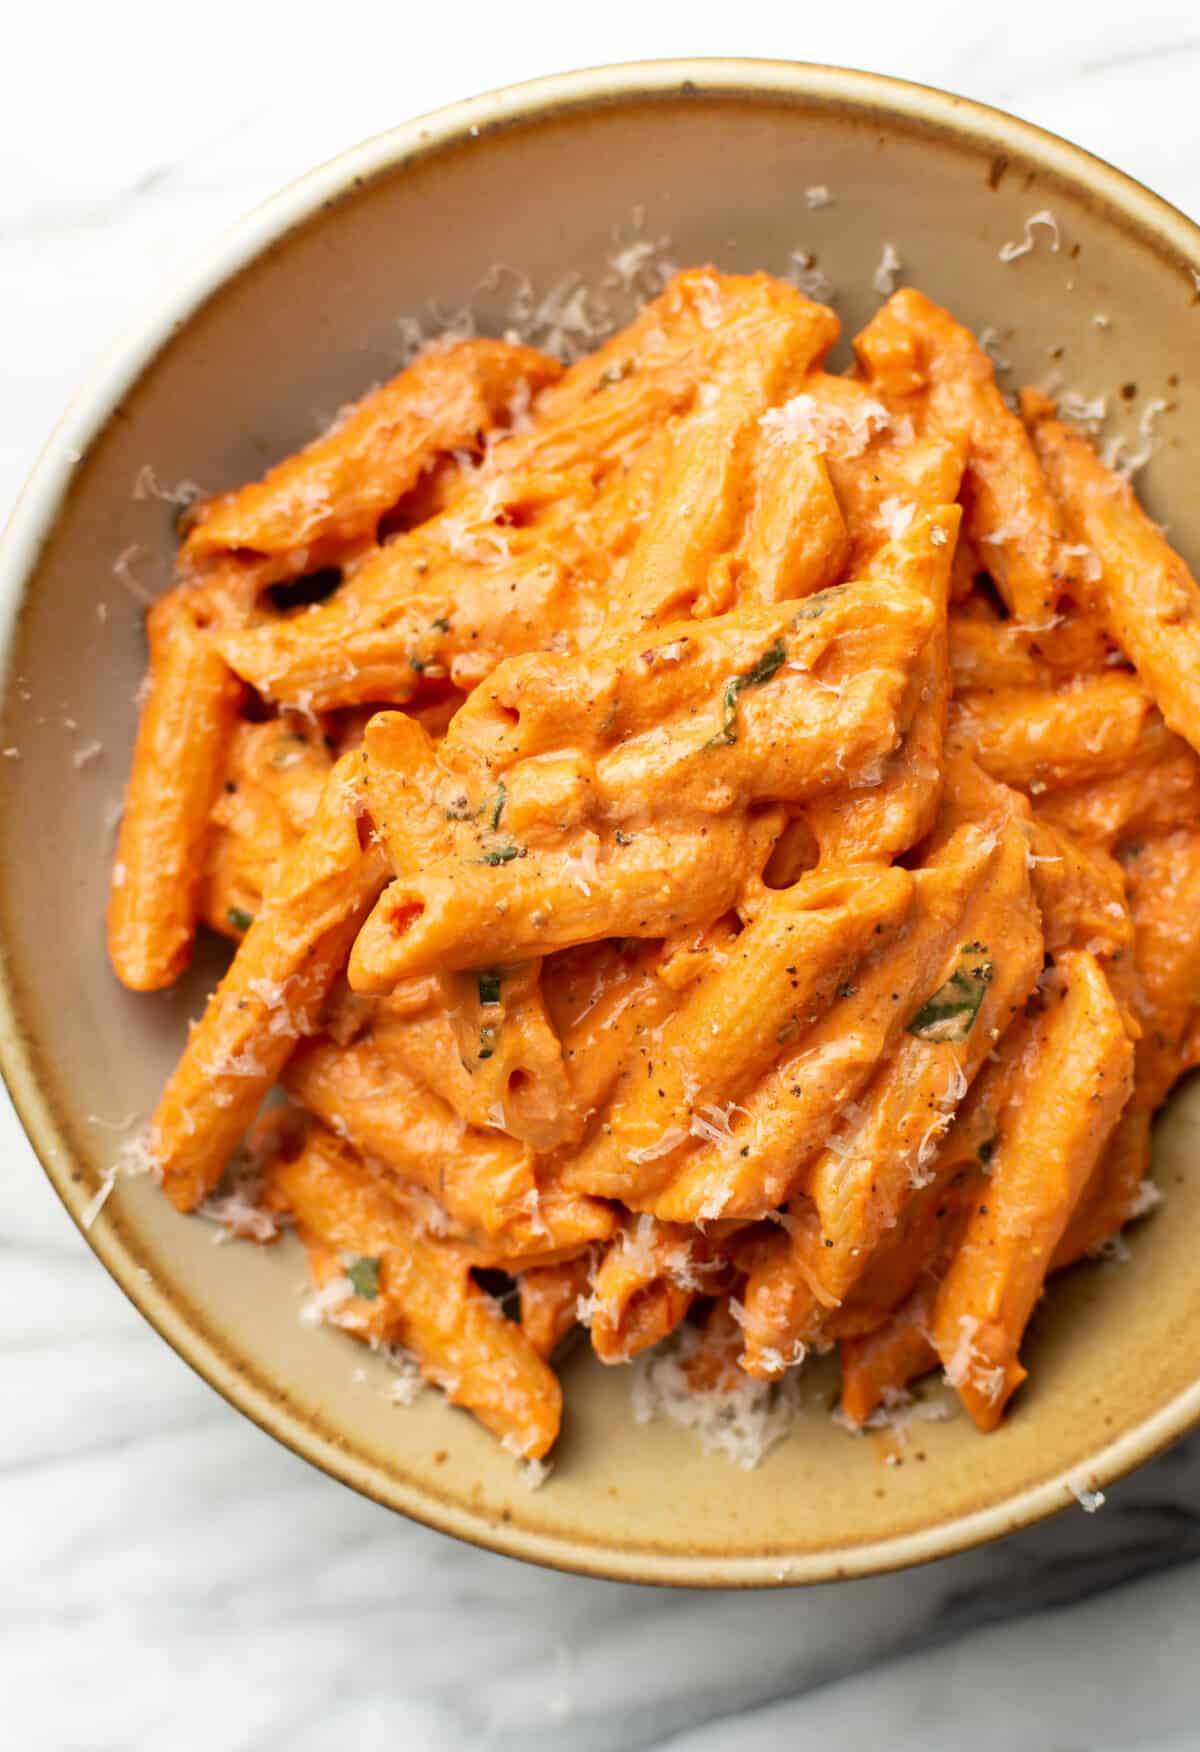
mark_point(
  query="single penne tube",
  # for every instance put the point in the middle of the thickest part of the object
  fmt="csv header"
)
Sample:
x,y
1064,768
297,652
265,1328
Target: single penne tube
x,y
1144,593
511,1053
918,358
987,654
485,1180
1163,875
696,515
794,540
1077,1076
860,1183
473,914
815,1085
1144,799
645,1283
602,1000
329,496
886,1359
1079,888
884,819
782,971
1117,1191
429,1301
702,500
272,778
190,712
284,968
549,1301
409,617
1037,739
485,1044
894,480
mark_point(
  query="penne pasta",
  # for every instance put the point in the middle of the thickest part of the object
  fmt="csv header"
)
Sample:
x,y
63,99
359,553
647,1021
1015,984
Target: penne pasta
x,y
428,1301
712,847
190,710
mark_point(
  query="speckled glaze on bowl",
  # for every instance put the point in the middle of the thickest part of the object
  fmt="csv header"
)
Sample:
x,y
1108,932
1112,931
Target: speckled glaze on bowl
x,y
296,312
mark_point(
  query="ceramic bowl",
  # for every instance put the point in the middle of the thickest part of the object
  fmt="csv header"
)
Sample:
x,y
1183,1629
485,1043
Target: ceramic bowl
x,y
300,309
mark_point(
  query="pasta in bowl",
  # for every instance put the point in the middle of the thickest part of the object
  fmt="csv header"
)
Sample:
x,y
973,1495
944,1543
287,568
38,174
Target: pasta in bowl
x,y
786,730
706,857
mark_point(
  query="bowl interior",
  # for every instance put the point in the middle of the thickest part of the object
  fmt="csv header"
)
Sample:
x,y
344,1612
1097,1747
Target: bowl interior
x,y
447,221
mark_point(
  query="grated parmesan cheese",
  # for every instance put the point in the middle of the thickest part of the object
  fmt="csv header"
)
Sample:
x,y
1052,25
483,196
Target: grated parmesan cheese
x,y
989,340
743,1419
803,417
1073,406
133,1159
124,574
1147,1198
808,278
1090,570
1009,252
662,1146
884,277
321,1307
146,485
895,515
1086,1495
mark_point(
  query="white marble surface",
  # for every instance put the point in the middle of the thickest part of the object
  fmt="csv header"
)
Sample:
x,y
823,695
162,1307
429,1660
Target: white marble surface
x,y
172,1579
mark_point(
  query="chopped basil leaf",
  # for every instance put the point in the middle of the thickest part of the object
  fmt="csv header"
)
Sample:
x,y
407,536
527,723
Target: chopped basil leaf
x,y
772,659
363,1273
504,855
814,606
441,624
498,806
489,988
950,1013
240,919
417,663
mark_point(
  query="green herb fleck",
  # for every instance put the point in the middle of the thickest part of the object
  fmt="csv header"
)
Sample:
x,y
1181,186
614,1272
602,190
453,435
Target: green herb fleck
x,y
772,659
441,624
814,606
487,1040
503,855
489,988
987,1150
239,918
789,1031
417,663
846,990
363,1273
950,1013
498,806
